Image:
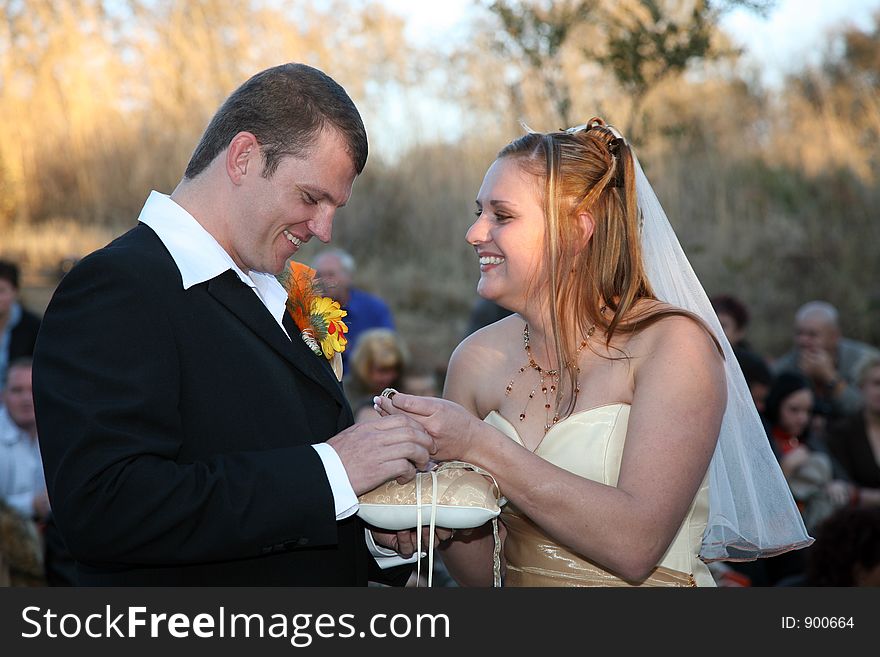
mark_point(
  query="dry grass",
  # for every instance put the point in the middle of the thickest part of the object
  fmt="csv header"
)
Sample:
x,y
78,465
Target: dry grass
x,y
43,251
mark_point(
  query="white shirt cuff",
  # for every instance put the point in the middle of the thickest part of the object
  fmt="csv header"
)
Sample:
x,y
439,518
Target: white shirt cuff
x,y
386,557
344,499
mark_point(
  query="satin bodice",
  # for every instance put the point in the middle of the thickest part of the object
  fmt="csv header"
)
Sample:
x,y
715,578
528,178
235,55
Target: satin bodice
x,y
590,444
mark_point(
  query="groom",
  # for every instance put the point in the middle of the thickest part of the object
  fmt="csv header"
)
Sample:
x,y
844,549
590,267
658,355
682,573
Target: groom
x,y
189,435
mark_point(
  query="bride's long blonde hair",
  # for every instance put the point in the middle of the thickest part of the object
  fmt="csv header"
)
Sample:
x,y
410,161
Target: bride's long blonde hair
x,y
589,170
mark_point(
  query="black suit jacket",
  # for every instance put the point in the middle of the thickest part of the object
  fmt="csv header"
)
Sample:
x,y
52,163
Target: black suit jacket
x,y
24,335
176,426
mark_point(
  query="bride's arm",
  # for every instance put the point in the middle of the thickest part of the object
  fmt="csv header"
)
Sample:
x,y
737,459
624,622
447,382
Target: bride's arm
x,y
679,396
678,402
468,555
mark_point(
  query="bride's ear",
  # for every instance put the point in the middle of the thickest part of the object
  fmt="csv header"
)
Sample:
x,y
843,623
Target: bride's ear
x,y
585,224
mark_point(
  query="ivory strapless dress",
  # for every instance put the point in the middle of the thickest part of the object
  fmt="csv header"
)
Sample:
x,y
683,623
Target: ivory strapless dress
x,y
590,444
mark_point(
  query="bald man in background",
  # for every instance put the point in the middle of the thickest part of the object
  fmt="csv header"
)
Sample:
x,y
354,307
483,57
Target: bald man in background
x,y
335,269
829,360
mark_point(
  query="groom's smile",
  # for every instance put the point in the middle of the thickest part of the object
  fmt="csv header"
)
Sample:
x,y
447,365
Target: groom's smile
x,y
297,242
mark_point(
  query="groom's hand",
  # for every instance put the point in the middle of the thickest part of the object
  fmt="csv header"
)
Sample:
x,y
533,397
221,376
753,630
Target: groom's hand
x,y
405,542
375,452
451,426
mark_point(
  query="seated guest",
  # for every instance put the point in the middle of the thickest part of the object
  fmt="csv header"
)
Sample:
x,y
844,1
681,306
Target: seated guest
x,y
422,381
335,270
807,467
379,361
757,375
826,358
21,555
24,503
18,326
734,318
855,441
847,549
22,484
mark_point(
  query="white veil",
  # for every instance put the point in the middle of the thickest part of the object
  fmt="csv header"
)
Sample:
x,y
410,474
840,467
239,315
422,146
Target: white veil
x,y
751,510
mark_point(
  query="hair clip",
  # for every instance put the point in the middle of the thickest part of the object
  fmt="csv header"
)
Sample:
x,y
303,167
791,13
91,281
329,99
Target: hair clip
x,y
595,124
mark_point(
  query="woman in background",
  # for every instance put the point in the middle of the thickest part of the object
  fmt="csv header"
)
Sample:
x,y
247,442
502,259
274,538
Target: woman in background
x,y
379,361
807,466
855,441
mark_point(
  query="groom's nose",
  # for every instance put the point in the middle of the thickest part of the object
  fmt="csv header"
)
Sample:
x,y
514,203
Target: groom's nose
x,y
322,225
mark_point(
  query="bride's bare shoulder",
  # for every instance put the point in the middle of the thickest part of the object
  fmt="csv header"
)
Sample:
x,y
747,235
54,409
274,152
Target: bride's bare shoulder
x,y
674,334
477,362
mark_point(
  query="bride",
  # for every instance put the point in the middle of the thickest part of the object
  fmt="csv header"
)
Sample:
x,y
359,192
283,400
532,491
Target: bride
x,y
609,407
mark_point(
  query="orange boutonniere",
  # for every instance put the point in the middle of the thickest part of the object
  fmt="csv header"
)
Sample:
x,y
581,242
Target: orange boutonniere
x,y
318,318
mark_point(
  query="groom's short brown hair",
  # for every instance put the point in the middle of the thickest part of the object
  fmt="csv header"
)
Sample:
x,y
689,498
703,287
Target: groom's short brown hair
x,y
285,107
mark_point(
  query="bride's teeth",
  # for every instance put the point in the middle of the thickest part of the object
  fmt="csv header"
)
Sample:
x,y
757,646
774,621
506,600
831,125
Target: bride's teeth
x,y
491,260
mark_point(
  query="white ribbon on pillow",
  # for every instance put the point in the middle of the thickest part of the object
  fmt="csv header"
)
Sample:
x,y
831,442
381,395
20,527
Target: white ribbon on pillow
x,y
496,552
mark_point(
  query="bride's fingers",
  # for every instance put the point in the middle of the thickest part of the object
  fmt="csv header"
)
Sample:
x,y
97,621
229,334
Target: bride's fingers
x,y
413,404
376,407
385,406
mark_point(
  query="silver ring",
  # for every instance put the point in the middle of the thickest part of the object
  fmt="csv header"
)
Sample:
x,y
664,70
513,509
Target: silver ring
x,y
389,393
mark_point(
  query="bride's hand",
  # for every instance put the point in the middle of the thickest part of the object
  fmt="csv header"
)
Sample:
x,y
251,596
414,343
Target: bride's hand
x,y
450,425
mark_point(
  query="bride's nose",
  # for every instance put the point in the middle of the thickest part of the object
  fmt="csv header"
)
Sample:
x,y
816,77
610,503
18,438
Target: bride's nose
x,y
477,233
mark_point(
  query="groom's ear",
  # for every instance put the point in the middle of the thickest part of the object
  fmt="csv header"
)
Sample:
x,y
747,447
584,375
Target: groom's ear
x,y
242,157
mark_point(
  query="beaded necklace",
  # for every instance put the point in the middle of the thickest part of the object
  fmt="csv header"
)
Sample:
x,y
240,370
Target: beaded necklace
x,y
548,379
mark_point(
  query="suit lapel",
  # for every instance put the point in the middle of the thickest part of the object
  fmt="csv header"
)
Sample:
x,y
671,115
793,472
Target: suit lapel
x,y
346,418
241,301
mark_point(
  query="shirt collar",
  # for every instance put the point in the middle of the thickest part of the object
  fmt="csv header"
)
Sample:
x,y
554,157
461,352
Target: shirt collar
x,y
199,256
